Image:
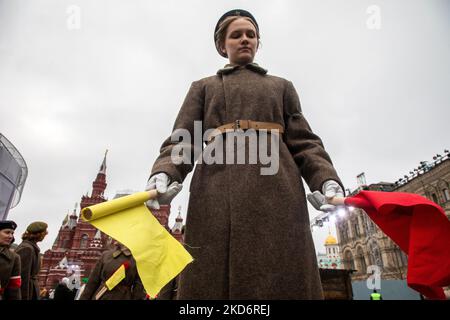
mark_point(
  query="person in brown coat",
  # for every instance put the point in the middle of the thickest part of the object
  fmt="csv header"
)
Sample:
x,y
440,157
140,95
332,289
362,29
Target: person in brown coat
x,y
28,251
9,263
130,288
247,228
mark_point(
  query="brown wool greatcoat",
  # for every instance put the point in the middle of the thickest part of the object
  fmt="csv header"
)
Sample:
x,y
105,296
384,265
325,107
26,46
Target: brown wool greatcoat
x,y
9,267
31,265
130,288
249,233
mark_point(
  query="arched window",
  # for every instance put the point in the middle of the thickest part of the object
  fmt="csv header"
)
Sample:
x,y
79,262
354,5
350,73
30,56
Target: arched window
x,y
348,260
361,261
84,241
403,258
446,194
435,199
344,234
65,243
356,229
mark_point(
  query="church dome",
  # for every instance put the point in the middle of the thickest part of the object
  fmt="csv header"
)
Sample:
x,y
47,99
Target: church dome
x,y
330,240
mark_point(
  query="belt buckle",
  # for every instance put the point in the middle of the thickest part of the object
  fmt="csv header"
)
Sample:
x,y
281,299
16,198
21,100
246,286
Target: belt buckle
x,y
237,125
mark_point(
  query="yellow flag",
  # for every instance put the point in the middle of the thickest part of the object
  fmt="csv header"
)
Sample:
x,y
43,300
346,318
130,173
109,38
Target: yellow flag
x,y
115,279
159,256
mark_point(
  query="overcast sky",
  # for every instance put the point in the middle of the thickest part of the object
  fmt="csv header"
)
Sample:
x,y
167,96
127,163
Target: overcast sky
x,y
378,97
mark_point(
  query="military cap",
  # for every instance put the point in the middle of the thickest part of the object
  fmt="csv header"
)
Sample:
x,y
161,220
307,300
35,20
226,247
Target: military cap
x,y
37,227
8,224
232,13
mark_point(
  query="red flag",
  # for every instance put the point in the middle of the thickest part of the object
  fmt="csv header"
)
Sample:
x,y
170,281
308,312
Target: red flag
x,y
420,228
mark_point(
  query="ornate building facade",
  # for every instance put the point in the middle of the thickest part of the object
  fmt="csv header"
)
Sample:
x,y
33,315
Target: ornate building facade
x,y
331,259
363,244
78,244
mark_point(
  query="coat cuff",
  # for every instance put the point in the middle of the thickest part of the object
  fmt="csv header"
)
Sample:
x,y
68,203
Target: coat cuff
x,y
317,183
168,169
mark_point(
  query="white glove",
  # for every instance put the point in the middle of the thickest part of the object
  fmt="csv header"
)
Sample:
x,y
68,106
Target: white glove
x,y
167,191
330,189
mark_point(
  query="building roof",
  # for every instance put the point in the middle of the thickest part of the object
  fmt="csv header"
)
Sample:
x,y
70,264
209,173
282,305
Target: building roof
x,y
330,240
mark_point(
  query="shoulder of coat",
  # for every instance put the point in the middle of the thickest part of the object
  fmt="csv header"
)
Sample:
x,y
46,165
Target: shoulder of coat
x,y
207,80
8,253
278,79
27,245
108,252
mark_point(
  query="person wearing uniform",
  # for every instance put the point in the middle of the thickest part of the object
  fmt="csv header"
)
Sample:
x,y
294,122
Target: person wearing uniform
x,y
9,263
63,292
375,295
28,251
130,288
248,227
84,281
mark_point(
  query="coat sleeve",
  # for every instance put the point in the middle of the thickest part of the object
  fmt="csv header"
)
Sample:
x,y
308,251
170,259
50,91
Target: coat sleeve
x,y
138,289
13,291
191,110
306,147
26,261
93,282
168,292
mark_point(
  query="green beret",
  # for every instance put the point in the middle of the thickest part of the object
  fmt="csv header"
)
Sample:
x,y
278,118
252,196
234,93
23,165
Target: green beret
x,y
37,227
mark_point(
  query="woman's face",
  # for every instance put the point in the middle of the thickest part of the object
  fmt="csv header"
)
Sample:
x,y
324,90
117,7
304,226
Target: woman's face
x,y
42,235
6,237
241,42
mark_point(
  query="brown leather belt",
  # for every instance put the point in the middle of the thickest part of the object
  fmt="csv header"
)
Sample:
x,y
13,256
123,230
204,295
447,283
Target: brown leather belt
x,y
245,125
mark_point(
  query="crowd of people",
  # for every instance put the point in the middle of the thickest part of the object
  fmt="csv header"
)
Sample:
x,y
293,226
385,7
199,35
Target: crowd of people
x,y
19,269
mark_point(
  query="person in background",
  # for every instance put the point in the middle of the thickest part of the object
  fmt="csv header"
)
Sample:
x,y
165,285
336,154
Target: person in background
x,y
9,263
28,251
51,294
63,292
130,288
375,295
81,289
43,294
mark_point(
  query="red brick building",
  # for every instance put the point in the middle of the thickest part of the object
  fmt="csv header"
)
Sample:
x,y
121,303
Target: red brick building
x,y
79,244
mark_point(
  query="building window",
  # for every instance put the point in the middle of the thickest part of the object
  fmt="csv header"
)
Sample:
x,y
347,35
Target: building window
x,y
84,241
435,199
356,230
361,261
348,261
372,227
344,235
446,194
403,258
65,243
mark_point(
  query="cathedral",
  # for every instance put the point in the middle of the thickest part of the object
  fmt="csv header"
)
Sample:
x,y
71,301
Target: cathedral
x,y
78,244
332,258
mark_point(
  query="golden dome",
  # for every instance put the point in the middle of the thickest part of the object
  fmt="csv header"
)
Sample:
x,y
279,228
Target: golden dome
x,y
330,240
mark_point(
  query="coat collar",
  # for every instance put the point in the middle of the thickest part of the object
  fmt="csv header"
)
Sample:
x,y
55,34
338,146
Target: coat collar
x,y
5,251
229,68
32,244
